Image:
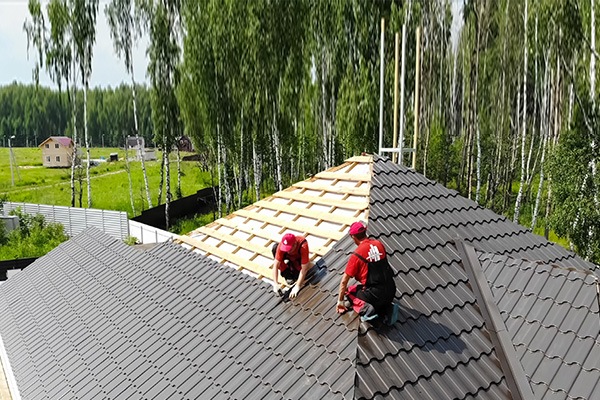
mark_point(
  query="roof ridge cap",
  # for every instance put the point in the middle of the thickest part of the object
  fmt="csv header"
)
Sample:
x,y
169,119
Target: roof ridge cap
x,y
517,381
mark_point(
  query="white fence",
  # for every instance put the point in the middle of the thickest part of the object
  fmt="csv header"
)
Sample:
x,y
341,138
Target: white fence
x,y
149,234
75,220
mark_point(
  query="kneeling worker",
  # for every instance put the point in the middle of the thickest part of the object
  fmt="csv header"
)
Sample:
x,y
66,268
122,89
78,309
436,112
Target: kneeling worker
x,y
291,258
369,266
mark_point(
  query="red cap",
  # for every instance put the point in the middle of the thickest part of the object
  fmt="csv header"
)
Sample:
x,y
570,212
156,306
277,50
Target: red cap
x,y
357,227
287,242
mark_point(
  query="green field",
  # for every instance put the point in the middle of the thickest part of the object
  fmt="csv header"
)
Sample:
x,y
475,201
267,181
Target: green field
x,y
34,183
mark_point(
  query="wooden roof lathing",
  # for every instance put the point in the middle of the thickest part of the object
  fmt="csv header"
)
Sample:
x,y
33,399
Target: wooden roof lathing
x,y
320,208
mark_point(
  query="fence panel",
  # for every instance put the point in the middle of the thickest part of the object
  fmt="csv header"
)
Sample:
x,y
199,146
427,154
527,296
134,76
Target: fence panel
x,y
75,220
148,234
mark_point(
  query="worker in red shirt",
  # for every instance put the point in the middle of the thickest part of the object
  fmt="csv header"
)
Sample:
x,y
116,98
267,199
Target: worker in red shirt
x,y
369,266
291,258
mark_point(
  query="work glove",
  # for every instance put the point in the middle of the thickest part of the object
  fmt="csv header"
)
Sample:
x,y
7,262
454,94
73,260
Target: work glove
x,y
276,289
294,291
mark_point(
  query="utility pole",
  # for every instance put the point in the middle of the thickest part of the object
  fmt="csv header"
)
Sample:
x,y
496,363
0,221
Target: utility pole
x,y
381,71
10,157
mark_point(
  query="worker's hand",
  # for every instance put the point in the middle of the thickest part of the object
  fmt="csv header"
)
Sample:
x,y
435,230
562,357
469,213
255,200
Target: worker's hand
x,y
294,291
340,308
276,289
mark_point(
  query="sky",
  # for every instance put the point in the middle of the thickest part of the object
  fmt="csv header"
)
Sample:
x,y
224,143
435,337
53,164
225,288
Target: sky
x,y
107,69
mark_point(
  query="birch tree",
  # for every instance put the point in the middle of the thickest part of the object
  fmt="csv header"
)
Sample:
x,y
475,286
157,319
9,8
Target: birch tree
x,y
84,35
163,16
125,31
523,118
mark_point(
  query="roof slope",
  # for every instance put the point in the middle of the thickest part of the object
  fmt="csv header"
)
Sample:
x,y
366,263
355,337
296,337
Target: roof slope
x,y
440,347
320,208
168,323
63,140
552,316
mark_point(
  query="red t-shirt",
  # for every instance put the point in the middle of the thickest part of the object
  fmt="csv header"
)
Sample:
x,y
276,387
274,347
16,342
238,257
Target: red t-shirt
x,y
372,250
297,257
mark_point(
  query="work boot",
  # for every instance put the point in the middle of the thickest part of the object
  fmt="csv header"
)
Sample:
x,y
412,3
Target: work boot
x,y
368,313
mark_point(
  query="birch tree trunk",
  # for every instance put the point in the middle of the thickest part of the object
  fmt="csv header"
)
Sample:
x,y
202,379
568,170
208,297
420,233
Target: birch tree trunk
x,y
544,126
219,172
501,105
128,168
241,163
593,53
162,177
178,193
141,149
276,144
87,145
74,118
168,195
400,144
524,122
593,100
257,170
556,130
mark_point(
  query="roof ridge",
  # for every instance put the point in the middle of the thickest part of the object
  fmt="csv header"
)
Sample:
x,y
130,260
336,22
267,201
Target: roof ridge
x,y
517,381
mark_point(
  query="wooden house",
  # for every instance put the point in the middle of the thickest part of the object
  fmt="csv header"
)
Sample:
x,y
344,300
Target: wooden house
x,y
57,151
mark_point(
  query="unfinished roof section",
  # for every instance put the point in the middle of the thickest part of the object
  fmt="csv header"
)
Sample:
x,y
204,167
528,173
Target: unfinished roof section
x,y
552,316
320,208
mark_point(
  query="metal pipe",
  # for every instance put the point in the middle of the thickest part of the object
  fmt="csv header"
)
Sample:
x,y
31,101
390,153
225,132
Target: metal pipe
x,y
381,86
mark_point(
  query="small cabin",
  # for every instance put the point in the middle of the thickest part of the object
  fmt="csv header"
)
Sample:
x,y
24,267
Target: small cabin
x,y
57,152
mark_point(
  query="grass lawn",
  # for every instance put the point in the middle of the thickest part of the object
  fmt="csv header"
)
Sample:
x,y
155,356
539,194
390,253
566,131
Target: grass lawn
x,y
110,185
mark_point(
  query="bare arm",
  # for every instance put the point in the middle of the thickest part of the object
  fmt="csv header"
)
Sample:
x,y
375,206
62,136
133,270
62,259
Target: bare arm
x,y
275,271
340,308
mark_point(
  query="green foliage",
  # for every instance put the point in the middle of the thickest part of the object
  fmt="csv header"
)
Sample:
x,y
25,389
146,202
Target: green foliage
x,y
576,213
186,225
34,237
131,240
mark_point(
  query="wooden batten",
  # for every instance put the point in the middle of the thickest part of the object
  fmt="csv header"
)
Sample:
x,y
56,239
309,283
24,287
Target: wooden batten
x,y
320,208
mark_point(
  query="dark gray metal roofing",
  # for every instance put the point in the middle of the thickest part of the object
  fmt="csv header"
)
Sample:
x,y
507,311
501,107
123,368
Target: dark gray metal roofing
x,y
441,347
552,316
95,318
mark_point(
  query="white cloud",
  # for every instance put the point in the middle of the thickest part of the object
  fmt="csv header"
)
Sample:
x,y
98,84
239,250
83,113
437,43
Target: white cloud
x,y
107,69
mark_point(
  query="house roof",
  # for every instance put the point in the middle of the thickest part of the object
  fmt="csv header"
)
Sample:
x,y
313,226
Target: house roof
x,y
552,316
175,323
62,140
96,318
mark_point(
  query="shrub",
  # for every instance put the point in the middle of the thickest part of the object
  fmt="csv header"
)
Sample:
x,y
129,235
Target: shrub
x,y
33,238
